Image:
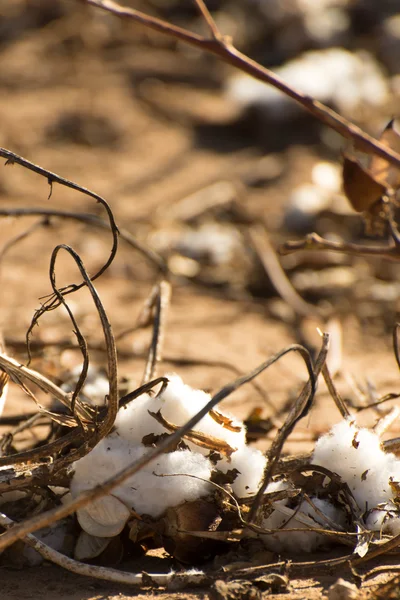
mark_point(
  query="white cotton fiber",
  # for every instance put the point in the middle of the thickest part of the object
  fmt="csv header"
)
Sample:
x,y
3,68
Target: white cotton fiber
x,y
251,464
96,385
144,492
178,403
303,517
133,421
357,456
385,519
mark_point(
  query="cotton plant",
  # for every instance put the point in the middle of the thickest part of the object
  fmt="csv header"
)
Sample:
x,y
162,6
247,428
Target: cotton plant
x,y
304,518
171,479
372,475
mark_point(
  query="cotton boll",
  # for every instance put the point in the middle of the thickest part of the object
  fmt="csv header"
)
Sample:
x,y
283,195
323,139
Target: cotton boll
x,y
385,519
134,422
178,403
110,456
96,385
305,517
148,493
333,75
251,464
356,455
392,526
144,492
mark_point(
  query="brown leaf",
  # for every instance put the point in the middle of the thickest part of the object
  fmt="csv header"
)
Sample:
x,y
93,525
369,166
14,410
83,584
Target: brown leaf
x,y
382,171
4,378
223,478
361,189
225,421
196,437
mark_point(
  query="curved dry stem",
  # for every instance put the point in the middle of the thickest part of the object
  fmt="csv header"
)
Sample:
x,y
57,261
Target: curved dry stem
x,y
18,372
274,270
12,158
112,370
52,178
161,305
299,410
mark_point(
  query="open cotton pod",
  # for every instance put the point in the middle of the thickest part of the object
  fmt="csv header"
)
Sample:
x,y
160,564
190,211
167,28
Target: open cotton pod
x,y
104,517
200,515
89,546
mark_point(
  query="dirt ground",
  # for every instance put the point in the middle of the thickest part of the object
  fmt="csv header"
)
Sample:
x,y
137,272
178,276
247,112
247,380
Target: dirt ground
x,y
146,124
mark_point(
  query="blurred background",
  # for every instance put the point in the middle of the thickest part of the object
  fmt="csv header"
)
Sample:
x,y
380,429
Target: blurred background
x,y
208,168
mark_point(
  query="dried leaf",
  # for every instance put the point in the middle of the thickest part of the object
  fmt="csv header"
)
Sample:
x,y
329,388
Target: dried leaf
x,y
223,478
381,170
361,189
196,437
151,440
64,420
4,378
225,421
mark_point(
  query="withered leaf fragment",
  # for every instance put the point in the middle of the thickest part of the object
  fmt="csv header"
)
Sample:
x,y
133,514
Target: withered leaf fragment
x,y
361,189
223,478
382,171
224,421
197,437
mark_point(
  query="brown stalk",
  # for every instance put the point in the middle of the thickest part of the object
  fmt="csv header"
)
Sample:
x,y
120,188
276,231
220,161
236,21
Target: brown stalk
x,y
313,241
161,305
12,158
273,268
298,411
112,368
53,301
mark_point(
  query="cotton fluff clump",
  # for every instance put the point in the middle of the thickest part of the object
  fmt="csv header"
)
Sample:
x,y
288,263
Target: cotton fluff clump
x,y
178,403
356,455
250,463
144,492
96,386
303,517
334,75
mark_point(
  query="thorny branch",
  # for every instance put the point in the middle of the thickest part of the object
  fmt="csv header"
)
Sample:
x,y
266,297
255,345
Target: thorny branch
x,y
222,47
315,242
